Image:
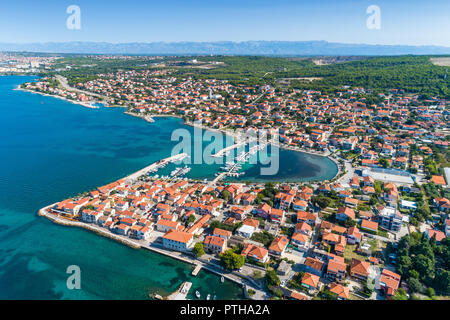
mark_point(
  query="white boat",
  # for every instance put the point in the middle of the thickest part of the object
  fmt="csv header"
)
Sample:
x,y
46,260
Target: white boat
x,y
222,279
214,298
180,171
185,170
197,294
208,297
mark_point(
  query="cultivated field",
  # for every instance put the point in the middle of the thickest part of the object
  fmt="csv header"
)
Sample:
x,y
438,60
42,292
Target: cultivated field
x,y
441,61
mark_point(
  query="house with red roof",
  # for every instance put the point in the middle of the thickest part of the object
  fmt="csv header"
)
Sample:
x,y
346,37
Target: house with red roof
x,y
300,241
344,213
353,235
389,282
439,180
277,215
310,281
308,217
222,233
165,225
304,228
215,244
278,245
256,253
341,292
369,225
359,269
437,234
264,210
178,240
314,266
336,269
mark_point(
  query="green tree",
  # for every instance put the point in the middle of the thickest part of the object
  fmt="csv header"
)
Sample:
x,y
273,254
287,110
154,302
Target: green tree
x,y
231,260
430,292
322,201
272,278
414,285
383,162
414,274
403,265
198,249
257,275
400,295
442,282
277,292
425,266
191,218
226,195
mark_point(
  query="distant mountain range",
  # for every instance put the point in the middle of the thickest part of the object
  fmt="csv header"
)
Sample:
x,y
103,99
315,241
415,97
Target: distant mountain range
x,y
277,48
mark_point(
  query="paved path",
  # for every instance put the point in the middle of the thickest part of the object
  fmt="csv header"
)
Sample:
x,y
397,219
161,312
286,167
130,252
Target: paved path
x,y
63,82
350,172
221,152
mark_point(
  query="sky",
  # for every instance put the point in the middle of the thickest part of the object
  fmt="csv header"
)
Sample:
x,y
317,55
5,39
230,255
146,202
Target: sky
x,y
402,22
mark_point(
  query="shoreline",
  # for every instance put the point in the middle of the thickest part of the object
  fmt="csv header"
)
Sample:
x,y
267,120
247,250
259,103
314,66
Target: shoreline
x,y
134,244
235,136
86,105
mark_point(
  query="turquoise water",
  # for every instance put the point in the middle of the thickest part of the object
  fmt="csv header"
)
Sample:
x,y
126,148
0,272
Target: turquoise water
x,y
52,149
292,167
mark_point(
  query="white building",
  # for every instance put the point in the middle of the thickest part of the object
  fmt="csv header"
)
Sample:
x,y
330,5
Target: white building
x,y
177,240
246,231
389,218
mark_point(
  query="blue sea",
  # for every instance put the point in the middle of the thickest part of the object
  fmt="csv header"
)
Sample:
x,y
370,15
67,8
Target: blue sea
x,y
51,149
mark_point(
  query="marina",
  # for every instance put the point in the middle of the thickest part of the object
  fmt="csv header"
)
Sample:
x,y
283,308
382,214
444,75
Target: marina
x,y
156,166
180,172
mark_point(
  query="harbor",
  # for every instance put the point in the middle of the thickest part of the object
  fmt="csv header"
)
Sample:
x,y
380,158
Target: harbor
x,y
232,168
155,166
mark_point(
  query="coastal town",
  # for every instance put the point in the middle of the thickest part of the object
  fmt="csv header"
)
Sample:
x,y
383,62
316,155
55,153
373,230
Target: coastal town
x,y
23,64
378,230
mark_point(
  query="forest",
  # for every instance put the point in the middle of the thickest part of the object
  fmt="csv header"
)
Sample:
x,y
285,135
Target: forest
x,y
413,74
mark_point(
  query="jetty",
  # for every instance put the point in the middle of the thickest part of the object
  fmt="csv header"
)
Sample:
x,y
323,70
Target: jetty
x,y
224,150
196,270
154,166
181,293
